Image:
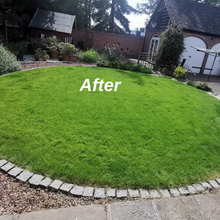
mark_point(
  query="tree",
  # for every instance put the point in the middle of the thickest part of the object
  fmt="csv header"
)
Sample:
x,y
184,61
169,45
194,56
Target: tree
x,y
113,14
171,46
148,6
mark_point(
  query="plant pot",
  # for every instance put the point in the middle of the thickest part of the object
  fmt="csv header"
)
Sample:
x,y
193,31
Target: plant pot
x,y
67,57
54,55
60,58
74,58
44,58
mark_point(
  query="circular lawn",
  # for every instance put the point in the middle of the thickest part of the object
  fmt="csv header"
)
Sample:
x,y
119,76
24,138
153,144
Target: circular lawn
x,y
150,133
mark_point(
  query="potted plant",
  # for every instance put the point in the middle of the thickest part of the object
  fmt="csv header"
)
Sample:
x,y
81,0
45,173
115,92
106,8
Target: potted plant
x,y
60,48
52,46
74,54
54,52
36,57
61,57
67,51
45,56
38,54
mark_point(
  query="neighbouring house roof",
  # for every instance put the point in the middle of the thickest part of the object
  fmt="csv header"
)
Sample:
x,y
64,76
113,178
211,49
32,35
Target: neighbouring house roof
x,y
194,16
53,21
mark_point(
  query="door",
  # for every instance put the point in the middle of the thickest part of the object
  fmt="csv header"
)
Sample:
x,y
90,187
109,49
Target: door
x,y
194,58
216,67
153,47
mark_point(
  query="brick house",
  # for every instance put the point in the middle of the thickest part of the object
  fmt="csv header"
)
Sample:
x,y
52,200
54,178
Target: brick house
x,y
201,26
64,26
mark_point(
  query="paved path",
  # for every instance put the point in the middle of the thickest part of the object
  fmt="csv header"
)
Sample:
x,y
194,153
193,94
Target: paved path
x,y
198,207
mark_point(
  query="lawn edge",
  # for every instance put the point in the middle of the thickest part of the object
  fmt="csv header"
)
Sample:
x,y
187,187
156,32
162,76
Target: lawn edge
x,y
36,180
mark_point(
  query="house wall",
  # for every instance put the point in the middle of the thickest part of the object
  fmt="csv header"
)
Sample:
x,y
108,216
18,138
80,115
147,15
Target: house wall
x,y
210,41
97,40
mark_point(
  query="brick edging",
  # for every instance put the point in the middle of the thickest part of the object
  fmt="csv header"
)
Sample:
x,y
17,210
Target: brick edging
x,y
37,180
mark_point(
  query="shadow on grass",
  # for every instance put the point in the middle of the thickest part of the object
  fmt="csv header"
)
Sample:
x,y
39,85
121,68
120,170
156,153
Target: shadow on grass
x,y
136,76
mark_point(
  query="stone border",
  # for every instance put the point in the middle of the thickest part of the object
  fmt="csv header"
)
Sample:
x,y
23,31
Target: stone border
x,y
37,180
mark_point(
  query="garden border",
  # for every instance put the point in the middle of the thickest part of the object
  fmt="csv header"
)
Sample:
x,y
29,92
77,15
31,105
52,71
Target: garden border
x,y
37,180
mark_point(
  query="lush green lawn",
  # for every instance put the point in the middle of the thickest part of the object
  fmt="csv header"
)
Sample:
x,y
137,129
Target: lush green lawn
x,y
152,132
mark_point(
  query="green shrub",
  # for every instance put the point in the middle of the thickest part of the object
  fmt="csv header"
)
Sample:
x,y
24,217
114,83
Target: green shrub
x,y
190,83
114,51
203,86
69,49
179,72
11,46
136,68
127,66
171,46
90,56
8,61
145,69
114,64
102,63
52,44
38,43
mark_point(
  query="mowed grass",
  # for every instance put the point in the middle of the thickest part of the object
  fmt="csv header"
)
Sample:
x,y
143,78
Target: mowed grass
x,y
151,133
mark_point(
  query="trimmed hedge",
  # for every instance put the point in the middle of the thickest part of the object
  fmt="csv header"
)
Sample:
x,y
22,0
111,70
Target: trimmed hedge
x,y
8,61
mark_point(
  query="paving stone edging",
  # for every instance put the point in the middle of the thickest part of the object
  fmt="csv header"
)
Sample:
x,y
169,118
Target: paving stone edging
x,y
37,180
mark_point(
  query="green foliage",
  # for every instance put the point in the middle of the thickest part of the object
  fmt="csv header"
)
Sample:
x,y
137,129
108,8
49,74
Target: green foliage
x,y
60,48
102,63
11,46
127,66
114,51
136,68
203,86
52,44
69,49
38,43
124,66
170,48
190,83
8,61
90,56
179,72
110,15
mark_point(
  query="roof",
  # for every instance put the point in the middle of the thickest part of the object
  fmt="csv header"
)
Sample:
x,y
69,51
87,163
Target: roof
x,y
53,21
194,16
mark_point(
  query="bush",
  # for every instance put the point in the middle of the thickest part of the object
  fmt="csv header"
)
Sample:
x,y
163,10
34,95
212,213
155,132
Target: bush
x,y
145,69
179,72
190,83
90,56
69,49
127,66
8,61
136,68
52,44
171,46
203,86
102,63
38,43
114,51
12,46
124,66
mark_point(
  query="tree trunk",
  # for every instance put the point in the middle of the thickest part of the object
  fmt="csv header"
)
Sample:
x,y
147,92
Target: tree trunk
x,y
112,24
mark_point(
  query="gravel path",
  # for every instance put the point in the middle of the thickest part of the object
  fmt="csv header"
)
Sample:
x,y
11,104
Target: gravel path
x,y
17,197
